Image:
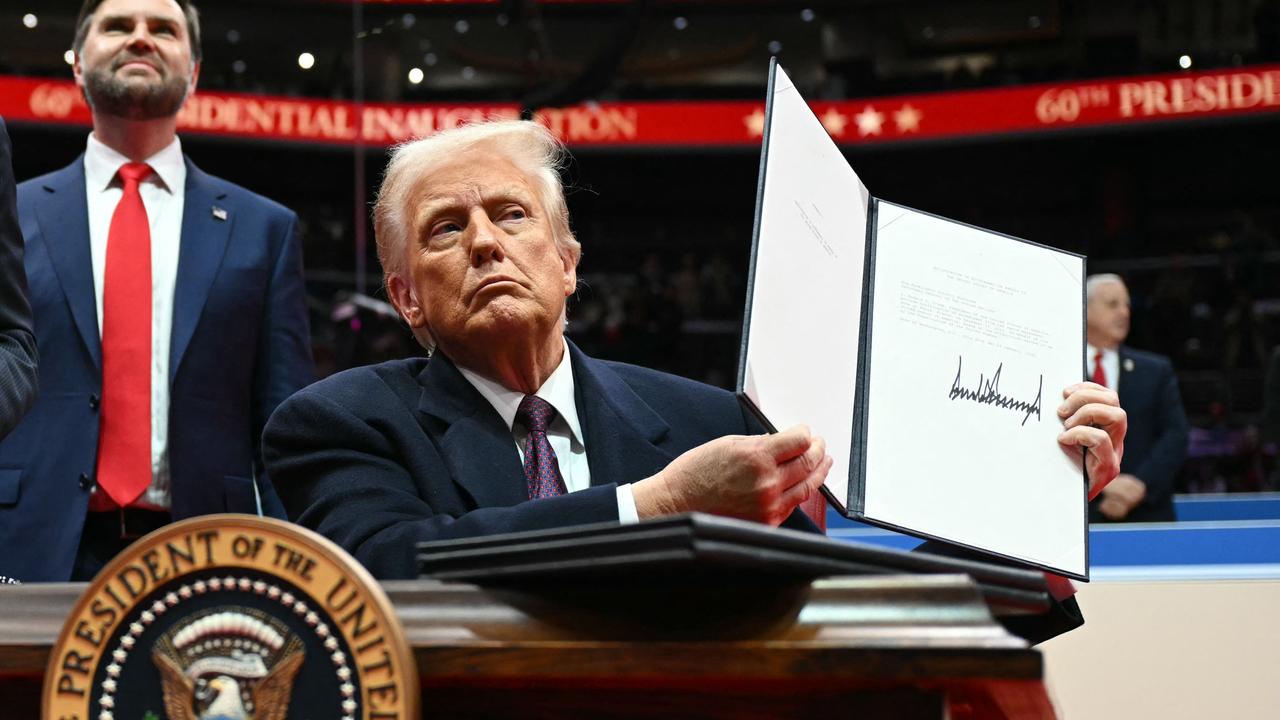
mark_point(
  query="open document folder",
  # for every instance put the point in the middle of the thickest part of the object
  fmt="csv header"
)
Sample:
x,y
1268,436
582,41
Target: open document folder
x,y
931,355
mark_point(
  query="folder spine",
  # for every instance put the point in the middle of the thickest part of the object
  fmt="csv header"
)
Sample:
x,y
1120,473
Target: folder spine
x,y
755,247
856,503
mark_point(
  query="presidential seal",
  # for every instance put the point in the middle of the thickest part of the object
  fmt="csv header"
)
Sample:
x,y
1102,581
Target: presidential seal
x,y
232,617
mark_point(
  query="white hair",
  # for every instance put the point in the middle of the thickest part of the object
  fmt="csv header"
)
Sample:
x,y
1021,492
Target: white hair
x,y
529,146
1092,283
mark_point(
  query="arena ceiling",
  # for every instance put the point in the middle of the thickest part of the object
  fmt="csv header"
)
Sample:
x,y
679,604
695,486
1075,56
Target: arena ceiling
x,y
554,53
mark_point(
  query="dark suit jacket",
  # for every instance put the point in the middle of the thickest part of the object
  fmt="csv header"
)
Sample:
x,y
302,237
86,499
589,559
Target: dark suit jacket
x,y
239,347
1156,443
381,457
17,344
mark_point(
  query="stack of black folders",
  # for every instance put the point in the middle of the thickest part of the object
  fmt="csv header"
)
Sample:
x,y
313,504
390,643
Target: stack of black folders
x,y
699,550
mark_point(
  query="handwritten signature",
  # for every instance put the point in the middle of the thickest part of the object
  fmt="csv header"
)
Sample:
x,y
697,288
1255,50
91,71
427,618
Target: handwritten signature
x,y
987,392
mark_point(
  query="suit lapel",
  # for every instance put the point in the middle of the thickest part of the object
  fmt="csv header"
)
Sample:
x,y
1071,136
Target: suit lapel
x,y
1130,381
63,215
622,431
476,444
206,229
1122,381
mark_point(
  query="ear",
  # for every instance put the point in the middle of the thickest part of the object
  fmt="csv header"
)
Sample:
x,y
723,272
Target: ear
x,y
77,72
405,300
570,274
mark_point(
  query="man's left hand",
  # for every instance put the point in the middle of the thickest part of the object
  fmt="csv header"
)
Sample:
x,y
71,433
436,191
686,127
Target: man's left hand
x,y
1095,421
1122,496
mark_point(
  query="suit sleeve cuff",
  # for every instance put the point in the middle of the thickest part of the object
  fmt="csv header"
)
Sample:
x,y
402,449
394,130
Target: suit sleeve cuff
x,y
627,514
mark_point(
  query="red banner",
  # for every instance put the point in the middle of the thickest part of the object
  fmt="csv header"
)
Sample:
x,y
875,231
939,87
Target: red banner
x,y
1112,102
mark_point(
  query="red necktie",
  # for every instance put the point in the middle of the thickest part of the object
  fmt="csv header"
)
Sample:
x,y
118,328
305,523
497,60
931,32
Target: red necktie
x,y
541,470
1099,375
124,440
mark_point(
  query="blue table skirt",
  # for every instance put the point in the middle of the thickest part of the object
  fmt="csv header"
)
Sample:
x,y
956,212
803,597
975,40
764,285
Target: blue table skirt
x,y
1228,549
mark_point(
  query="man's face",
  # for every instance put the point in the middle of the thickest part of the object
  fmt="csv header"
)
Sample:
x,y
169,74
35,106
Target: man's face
x,y
482,266
1109,314
136,60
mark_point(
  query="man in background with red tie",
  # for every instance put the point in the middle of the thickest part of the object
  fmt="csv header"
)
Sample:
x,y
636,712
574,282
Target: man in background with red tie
x,y
1156,443
169,309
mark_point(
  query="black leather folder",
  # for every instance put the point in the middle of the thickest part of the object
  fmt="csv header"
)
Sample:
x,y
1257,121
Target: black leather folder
x,y
701,549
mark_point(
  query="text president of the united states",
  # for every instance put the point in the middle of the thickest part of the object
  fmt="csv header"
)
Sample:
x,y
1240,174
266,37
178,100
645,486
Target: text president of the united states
x,y
508,426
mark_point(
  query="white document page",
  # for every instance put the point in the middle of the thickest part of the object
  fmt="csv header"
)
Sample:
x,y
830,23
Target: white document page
x,y
974,337
801,360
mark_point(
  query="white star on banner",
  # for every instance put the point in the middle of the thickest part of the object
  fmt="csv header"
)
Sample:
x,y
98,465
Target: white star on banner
x,y
755,123
869,121
834,121
908,119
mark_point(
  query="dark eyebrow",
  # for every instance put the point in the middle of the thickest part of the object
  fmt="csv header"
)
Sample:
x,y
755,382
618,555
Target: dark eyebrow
x,y
152,19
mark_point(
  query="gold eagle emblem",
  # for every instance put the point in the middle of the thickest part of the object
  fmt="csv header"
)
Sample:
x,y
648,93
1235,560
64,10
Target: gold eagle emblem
x,y
216,668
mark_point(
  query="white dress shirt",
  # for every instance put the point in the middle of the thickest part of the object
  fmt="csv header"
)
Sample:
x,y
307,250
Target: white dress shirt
x,y
1110,364
163,194
564,433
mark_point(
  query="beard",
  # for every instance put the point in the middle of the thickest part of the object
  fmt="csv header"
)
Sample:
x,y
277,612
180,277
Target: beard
x,y
133,98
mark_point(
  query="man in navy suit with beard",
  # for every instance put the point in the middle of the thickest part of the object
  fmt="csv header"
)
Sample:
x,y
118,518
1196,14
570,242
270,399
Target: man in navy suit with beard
x,y
169,311
1156,443
508,426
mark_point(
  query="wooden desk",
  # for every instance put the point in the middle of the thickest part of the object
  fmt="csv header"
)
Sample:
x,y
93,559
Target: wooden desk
x,y
898,647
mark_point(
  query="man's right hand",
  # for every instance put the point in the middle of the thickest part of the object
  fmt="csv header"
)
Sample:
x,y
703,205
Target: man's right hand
x,y
751,477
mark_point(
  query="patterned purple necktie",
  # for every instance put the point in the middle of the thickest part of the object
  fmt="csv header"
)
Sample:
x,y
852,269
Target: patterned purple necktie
x,y
540,467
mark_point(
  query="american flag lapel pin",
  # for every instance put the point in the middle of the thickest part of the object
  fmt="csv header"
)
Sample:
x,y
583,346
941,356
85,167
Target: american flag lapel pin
x,y
1128,365
219,213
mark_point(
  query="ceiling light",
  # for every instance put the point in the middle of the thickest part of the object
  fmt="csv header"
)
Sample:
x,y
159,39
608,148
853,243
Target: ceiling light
x,y
461,27
1184,62
306,61
70,57
238,67
775,47
430,59
807,15
30,20
415,75
468,72
681,22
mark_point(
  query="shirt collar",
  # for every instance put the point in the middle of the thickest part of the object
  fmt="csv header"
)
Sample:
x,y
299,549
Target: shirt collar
x,y
558,390
101,164
1091,351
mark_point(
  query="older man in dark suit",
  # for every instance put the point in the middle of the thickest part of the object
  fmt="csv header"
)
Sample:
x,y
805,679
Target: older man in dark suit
x,y
17,344
1156,443
508,426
